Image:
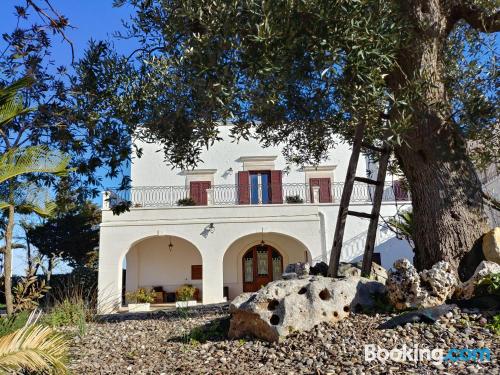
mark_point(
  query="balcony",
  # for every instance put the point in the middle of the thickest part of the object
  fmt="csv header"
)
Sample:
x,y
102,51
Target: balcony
x,y
230,195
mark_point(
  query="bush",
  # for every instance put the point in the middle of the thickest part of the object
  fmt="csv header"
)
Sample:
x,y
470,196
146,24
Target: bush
x,y
72,302
141,295
185,293
495,325
68,313
9,324
489,285
186,202
294,199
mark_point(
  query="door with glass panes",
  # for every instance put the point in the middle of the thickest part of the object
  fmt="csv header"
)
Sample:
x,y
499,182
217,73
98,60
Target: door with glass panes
x,y
261,264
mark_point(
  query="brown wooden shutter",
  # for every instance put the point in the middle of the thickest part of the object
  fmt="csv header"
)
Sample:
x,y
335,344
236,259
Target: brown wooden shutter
x,y
276,187
244,187
400,193
198,191
313,182
325,189
196,272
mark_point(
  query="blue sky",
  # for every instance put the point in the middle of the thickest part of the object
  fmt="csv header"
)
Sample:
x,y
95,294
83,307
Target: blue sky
x,y
91,19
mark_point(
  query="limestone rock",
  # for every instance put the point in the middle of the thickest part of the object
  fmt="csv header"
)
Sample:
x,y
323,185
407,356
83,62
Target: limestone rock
x,y
466,289
378,272
300,269
491,245
286,306
406,288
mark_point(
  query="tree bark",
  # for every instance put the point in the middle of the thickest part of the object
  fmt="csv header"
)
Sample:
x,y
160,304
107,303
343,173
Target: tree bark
x,y
446,192
8,261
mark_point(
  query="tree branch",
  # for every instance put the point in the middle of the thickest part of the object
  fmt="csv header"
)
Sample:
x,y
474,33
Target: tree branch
x,y
478,17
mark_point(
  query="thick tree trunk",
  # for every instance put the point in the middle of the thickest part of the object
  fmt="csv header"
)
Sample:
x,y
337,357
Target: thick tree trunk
x,y
446,192
447,200
8,261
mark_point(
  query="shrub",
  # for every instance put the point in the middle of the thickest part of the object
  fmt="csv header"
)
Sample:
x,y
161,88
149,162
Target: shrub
x,y
9,324
185,293
68,314
489,285
495,325
294,199
141,295
186,202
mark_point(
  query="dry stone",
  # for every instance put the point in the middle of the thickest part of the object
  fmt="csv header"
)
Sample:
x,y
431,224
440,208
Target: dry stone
x,y
491,245
286,306
378,273
466,289
406,288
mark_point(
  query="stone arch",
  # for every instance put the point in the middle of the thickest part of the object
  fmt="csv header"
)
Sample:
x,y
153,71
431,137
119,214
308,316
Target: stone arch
x,y
151,262
292,250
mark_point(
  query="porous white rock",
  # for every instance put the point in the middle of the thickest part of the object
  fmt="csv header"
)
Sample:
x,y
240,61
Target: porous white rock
x,y
466,289
286,306
406,288
491,245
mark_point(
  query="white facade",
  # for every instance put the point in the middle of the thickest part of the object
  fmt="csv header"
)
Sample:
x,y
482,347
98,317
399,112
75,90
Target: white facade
x,y
231,220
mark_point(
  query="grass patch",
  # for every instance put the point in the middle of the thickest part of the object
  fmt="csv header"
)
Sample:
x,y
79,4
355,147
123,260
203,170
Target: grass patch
x,y
213,331
12,323
68,313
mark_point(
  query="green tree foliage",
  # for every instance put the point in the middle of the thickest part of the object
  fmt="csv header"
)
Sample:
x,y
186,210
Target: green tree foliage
x,y
57,116
300,73
73,234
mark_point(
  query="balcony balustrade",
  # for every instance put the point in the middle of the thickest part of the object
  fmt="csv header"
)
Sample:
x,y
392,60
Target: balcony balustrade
x,y
227,195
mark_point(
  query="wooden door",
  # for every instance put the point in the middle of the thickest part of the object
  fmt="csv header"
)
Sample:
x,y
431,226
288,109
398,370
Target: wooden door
x,y
261,265
198,191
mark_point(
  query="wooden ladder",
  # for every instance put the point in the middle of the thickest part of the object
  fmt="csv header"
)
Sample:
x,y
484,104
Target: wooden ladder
x,y
346,197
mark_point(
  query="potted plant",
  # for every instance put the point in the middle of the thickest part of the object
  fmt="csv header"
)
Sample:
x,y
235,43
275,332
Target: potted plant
x,y
140,300
294,199
185,296
186,202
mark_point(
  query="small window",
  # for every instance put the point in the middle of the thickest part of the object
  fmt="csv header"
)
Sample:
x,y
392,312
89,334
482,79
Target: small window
x,y
196,272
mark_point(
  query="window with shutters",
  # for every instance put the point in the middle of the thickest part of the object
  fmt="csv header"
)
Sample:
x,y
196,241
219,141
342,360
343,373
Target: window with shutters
x,y
198,191
196,272
325,189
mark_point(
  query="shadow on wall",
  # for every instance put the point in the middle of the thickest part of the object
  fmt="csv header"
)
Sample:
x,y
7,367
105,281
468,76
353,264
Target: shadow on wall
x,y
390,251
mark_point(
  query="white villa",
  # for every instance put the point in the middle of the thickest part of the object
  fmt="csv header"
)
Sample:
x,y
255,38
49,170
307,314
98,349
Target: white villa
x,y
253,215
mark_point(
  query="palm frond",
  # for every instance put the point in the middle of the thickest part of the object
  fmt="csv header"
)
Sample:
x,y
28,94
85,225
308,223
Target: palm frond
x,y
33,348
33,159
11,110
10,93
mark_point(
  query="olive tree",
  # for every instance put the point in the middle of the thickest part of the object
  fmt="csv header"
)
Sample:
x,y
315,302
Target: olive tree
x,y
419,73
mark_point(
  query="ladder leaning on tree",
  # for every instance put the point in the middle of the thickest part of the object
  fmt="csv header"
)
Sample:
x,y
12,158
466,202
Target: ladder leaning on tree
x,y
346,197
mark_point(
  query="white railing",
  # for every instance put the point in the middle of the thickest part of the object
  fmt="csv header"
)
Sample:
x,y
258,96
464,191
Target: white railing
x,y
220,195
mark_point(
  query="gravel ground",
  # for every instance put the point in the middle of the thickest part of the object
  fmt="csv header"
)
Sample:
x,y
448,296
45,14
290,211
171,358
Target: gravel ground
x,y
172,342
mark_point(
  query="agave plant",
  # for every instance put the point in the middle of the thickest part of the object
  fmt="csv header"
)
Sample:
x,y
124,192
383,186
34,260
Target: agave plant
x,y
402,224
33,348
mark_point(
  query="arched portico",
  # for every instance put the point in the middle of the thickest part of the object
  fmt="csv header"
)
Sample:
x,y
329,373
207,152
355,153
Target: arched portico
x,y
290,249
163,263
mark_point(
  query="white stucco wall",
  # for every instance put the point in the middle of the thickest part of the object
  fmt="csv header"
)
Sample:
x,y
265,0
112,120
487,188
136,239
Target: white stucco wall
x,y
151,170
290,228
293,229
